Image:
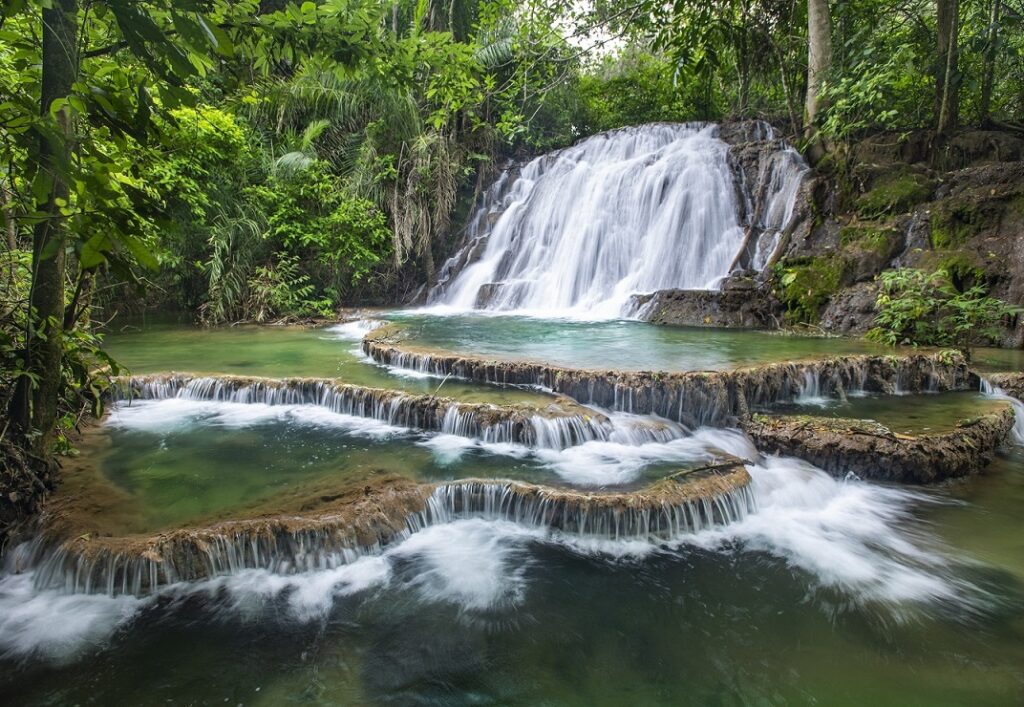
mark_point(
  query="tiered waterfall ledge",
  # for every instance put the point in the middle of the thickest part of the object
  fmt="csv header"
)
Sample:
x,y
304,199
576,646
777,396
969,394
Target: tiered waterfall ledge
x,y
692,398
562,423
872,450
322,528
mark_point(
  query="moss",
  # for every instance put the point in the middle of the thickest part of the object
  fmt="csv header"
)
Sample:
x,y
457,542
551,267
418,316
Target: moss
x,y
804,285
963,270
894,194
1017,205
953,224
871,236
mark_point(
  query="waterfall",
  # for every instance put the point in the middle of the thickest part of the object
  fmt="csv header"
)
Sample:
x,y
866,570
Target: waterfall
x,y
588,515
636,210
1018,409
507,424
780,177
294,544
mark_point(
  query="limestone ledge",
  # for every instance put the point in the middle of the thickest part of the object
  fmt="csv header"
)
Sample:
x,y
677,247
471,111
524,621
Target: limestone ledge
x,y
693,398
511,423
873,451
361,518
1012,383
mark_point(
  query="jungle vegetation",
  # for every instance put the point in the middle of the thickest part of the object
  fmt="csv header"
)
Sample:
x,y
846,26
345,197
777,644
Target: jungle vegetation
x,y
257,159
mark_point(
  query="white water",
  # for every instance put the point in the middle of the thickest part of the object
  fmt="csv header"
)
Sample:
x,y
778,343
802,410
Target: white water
x,y
580,231
1017,433
855,538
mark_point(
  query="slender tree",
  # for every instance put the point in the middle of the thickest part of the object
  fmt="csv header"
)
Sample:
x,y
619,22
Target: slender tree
x,y
989,62
35,406
819,61
947,77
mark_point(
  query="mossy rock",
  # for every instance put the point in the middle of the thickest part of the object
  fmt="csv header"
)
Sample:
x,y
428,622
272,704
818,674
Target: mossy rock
x,y
952,225
874,237
805,285
895,194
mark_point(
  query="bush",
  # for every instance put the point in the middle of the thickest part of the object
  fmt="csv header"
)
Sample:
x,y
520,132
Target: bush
x,y
924,308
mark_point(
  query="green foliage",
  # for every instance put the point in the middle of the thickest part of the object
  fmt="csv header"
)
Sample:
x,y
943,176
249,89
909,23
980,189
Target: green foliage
x,y
924,308
805,285
280,288
884,87
632,89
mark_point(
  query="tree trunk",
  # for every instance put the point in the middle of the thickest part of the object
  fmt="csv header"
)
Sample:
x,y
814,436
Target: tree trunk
x,y
989,66
35,407
819,60
947,78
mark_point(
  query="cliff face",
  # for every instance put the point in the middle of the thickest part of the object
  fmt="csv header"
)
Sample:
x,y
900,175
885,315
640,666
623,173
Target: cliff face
x,y
887,201
894,201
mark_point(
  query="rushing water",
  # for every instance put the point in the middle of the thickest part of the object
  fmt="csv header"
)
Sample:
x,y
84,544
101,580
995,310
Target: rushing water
x,y
579,231
801,588
839,592
157,464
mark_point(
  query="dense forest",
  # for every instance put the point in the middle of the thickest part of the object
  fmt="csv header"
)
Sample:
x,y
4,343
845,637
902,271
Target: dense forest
x,y
248,161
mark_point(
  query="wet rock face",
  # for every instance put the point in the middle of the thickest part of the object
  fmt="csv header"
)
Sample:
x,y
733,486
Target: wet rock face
x,y
741,303
872,451
852,312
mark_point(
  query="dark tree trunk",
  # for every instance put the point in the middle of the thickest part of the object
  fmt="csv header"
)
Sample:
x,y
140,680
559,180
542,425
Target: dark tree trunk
x,y
989,66
947,76
35,407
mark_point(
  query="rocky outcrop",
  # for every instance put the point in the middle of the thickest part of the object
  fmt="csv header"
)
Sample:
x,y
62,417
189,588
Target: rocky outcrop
x,y
891,201
741,303
851,312
693,398
873,451
1011,383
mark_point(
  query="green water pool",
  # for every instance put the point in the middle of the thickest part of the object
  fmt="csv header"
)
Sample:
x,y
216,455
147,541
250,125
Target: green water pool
x,y
907,414
183,461
274,351
617,344
819,602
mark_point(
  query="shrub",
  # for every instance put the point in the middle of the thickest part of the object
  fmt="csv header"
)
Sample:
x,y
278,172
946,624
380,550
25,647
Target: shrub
x,y
924,308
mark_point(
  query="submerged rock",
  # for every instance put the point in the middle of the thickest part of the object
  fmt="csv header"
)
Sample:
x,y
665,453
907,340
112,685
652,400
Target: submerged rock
x,y
735,306
873,451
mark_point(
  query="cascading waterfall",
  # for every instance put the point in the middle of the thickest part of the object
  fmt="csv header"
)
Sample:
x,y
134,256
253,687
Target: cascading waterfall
x,y
779,178
487,423
580,515
299,546
1018,409
636,210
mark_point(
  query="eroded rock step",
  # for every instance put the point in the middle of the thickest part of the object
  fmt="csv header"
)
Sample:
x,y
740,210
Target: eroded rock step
x,y
694,398
363,518
872,450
